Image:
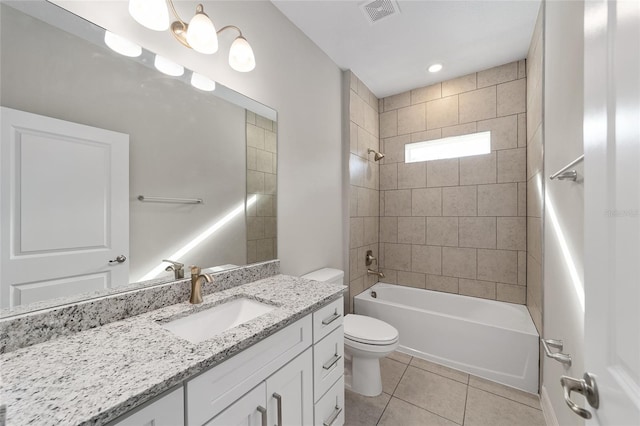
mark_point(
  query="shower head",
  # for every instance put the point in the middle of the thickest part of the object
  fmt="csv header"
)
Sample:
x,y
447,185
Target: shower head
x,y
378,155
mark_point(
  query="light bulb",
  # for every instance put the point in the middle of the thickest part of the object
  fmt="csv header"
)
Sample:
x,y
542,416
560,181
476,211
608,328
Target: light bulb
x,y
201,82
241,55
152,14
168,67
201,34
122,45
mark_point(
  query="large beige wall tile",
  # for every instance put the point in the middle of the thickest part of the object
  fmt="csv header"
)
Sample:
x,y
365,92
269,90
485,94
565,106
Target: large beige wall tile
x,y
475,288
522,68
372,175
497,75
442,231
356,170
393,148
477,105
255,182
270,141
427,93
442,283
512,165
411,119
426,202
366,140
356,232
443,172
255,136
465,83
459,262
371,230
478,169
252,158
397,256
411,279
388,229
534,238
522,198
411,230
270,227
522,130
512,233
535,154
504,131
389,124
512,97
522,268
534,196
353,137
398,203
477,232
460,129
397,101
498,200
442,112
389,176
412,175
426,135
255,227
459,201
498,265
427,259
356,109
511,293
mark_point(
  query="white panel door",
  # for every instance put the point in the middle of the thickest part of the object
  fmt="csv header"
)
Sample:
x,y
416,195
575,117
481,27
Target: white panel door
x,y
612,208
64,208
290,392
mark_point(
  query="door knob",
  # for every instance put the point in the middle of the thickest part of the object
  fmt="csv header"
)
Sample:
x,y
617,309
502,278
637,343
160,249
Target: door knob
x,y
587,387
119,259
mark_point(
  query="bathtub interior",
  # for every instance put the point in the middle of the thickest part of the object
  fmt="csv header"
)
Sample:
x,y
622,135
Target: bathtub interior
x,y
502,346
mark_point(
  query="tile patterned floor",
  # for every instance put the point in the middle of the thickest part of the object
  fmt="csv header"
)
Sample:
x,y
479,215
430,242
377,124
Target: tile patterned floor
x,y
420,393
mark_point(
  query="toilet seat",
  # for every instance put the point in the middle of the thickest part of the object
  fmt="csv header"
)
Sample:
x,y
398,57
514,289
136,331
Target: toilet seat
x,y
369,331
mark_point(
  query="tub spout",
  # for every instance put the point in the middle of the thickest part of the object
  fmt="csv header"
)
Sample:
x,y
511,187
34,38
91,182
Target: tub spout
x,y
379,274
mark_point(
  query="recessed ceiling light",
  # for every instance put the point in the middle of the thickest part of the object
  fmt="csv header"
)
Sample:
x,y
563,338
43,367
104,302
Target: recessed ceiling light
x,y
435,68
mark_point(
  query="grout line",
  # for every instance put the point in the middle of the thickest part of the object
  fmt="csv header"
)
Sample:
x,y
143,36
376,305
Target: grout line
x,y
466,398
507,398
424,409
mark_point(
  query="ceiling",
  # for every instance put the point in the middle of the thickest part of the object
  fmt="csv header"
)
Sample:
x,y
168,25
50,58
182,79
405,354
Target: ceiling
x,y
392,55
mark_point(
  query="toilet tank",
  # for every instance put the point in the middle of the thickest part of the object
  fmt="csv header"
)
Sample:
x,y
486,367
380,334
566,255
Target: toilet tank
x,y
328,275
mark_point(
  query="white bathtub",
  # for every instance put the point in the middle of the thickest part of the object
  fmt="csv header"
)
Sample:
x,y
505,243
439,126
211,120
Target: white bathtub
x,y
489,339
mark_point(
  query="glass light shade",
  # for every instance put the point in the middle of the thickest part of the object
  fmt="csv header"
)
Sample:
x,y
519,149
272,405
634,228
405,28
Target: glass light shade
x,y
168,67
152,14
435,67
201,82
122,45
241,55
201,34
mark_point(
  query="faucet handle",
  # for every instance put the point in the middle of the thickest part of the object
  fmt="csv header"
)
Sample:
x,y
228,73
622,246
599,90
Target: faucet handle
x,y
175,264
195,270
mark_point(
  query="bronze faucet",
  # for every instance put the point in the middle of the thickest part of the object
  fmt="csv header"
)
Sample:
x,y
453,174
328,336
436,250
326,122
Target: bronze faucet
x,y
196,284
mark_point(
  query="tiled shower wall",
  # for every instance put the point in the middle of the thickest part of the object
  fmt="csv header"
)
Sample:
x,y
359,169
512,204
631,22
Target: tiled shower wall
x,y
456,225
261,183
364,186
535,179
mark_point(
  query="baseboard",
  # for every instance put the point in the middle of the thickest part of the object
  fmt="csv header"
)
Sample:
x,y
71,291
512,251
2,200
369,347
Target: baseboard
x,y
547,409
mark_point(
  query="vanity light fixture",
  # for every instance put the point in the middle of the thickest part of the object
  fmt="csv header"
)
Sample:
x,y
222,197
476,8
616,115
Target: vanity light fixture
x,y
199,34
121,45
435,68
168,67
201,82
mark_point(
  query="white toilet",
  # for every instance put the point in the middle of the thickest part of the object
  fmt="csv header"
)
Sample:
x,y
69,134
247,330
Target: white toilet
x,y
366,340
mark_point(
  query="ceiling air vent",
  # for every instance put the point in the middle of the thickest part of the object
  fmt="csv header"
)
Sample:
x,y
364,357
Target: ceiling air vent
x,y
377,10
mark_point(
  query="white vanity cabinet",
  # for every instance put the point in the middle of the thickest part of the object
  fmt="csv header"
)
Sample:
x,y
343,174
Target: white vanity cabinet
x,y
293,377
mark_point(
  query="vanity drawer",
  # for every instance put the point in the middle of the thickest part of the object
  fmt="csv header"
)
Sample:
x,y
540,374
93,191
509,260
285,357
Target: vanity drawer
x,y
214,390
326,319
329,411
328,362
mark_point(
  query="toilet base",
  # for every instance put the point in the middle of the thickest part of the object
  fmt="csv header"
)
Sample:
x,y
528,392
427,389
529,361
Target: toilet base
x,y
365,376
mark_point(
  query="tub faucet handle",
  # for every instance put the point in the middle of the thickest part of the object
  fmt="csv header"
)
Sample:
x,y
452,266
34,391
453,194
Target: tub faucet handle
x,y
369,258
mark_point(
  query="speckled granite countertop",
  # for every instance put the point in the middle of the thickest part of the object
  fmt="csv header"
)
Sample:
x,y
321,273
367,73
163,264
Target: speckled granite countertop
x,y
94,376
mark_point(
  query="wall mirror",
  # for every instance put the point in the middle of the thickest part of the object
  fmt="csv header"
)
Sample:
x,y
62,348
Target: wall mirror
x,y
109,166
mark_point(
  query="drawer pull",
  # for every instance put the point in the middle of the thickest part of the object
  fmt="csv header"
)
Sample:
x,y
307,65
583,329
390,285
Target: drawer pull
x,y
331,319
263,411
278,398
334,359
333,417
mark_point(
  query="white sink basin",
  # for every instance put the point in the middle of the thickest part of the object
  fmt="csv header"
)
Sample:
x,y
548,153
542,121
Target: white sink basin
x,y
209,323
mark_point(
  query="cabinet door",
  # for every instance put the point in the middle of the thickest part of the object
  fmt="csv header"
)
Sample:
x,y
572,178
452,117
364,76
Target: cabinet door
x,y
249,410
167,410
290,393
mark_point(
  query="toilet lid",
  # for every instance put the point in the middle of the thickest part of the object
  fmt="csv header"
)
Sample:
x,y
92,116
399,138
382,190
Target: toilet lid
x,y
369,330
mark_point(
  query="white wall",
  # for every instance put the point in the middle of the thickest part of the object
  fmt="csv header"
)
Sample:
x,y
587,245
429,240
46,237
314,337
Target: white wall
x,y
294,77
563,309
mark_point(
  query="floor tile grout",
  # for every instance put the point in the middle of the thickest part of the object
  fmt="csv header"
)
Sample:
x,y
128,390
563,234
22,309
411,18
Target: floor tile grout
x,y
466,399
424,409
406,367
505,397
